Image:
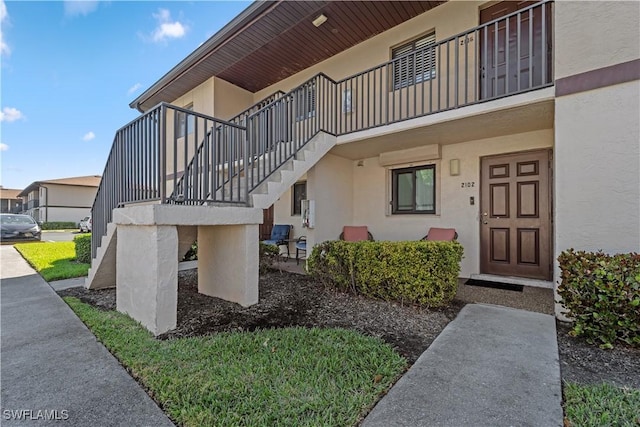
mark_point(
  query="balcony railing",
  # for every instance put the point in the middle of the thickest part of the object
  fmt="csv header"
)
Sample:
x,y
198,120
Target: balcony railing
x,y
33,203
174,155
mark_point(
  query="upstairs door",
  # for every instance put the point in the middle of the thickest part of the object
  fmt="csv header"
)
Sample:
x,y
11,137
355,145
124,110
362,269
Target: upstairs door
x,y
515,53
515,233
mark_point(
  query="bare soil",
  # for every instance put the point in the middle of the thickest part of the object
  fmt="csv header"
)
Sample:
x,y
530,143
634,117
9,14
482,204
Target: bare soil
x,y
288,299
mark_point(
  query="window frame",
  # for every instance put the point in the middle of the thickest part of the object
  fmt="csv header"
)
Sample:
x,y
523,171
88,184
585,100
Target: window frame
x,y
191,122
305,101
394,190
403,57
296,208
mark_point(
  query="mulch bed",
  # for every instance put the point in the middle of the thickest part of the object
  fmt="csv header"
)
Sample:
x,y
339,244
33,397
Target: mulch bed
x,y
288,299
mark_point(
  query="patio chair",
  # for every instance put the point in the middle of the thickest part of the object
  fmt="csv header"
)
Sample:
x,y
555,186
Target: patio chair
x,y
441,234
279,236
355,233
301,246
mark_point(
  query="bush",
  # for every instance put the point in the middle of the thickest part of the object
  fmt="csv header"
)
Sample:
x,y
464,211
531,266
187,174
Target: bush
x,y
602,295
83,248
59,225
422,272
268,255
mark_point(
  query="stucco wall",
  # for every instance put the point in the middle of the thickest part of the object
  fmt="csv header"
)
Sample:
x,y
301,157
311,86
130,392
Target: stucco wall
x,y
201,97
330,184
69,195
595,34
598,169
229,100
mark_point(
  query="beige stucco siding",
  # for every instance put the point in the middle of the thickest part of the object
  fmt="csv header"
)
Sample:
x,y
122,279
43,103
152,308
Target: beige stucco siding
x,y
598,169
595,34
330,184
68,196
201,97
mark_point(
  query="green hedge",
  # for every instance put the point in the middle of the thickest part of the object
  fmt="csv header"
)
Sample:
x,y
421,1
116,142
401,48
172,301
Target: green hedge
x,y
602,295
83,248
59,225
419,272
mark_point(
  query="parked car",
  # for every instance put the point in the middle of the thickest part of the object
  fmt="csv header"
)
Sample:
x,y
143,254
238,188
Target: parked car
x,y
18,228
85,224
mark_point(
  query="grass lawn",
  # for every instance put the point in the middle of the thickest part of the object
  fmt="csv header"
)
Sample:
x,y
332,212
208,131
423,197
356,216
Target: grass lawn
x,y
601,405
275,377
53,260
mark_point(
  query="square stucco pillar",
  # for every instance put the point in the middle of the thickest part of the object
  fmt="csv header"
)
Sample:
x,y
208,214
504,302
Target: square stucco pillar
x,y
147,275
228,262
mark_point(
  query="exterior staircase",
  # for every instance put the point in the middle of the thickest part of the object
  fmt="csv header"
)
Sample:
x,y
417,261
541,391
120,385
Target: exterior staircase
x,y
233,164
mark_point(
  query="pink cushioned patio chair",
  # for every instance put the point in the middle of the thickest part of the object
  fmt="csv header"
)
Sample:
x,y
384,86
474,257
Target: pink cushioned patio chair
x,y
355,233
441,234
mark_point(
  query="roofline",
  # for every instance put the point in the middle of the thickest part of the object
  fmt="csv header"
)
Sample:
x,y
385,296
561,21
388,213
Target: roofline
x,y
36,184
236,24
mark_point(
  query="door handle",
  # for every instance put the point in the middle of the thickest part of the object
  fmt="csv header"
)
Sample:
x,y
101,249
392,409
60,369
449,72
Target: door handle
x,y
484,218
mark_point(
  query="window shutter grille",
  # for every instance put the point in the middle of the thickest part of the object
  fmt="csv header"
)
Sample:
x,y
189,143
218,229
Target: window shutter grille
x,y
414,61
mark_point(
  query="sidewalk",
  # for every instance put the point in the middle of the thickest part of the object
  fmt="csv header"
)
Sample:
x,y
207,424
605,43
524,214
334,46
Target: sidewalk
x,y
491,366
51,362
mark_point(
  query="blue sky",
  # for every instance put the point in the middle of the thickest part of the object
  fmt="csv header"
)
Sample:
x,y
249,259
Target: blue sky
x,y
69,70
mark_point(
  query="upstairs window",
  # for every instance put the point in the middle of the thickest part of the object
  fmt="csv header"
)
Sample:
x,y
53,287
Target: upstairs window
x,y
185,119
414,190
305,99
414,62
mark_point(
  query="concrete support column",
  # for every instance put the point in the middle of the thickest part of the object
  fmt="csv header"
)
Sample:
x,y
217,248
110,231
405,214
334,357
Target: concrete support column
x,y
147,275
228,262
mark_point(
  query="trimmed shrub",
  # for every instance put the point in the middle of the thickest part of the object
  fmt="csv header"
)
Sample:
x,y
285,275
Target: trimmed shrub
x,y
59,225
192,253
268,256
602,294
422,272
83,248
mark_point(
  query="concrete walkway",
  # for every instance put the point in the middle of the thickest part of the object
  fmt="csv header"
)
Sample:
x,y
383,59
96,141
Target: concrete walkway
x,y
51,362
492,366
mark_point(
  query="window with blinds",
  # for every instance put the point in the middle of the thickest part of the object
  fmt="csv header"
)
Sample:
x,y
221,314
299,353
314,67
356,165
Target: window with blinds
x,y
305,99
414,62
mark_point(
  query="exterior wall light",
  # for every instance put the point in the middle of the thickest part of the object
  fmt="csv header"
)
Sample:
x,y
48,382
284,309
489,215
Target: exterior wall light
x,y
454,167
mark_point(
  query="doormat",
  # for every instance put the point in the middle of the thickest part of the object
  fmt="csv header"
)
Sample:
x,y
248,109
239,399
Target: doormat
x,y
495,285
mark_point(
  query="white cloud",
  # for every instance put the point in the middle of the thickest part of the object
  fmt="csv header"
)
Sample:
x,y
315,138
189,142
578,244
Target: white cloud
x,y
10,114
3,146
134,88
167,29
4,47
79,7
88,136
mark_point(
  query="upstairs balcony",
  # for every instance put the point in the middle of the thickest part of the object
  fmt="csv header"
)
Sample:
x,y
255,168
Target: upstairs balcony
x,y
172,155
31,204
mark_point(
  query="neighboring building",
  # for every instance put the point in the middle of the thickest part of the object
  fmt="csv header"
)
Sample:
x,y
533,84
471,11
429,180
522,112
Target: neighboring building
x,y
65,199
10,202
516,123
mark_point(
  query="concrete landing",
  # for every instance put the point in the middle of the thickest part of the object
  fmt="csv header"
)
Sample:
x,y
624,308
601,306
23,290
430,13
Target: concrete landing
x,y
51,362
492,366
